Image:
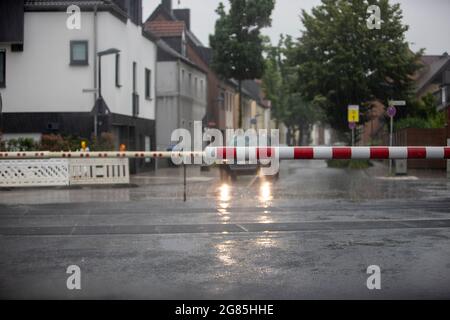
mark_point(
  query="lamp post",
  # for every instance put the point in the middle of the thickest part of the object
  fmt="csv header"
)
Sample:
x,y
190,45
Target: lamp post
x,y
100,103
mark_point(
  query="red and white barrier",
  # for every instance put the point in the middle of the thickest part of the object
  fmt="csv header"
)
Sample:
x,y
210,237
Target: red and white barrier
x,y
283,153
327,153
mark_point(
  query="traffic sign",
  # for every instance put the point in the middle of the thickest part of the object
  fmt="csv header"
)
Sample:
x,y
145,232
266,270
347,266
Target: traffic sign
x,y
352,125
391,111
353,114
400,103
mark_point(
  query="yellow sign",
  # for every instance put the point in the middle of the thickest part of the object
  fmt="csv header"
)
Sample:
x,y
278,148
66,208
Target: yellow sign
x,y
353,114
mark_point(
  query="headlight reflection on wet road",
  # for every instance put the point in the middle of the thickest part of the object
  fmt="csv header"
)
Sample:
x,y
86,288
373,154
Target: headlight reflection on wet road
x,y
265,194
224,198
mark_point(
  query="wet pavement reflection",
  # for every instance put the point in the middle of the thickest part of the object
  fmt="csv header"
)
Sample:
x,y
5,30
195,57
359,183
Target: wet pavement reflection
x,y
311,233
299,181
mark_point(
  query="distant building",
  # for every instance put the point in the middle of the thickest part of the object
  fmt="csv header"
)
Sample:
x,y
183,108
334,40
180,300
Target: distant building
x,y
173,27
181,94
374,130
434,78
256,110
321,135
48,72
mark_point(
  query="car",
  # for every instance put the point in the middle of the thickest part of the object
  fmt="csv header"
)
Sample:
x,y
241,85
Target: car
x,y
233,170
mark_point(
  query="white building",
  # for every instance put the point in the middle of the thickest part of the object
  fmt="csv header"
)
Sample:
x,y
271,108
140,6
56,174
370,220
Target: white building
x,y
48,69
181,93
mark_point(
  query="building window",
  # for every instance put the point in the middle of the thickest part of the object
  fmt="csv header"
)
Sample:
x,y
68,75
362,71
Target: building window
x,y
2,69
134,76
79,53
134,95
183,81
118,70
201,88
148,84
196,88
222,100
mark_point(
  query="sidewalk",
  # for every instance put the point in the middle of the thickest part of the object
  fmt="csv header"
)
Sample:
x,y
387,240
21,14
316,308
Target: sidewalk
x,y
380,169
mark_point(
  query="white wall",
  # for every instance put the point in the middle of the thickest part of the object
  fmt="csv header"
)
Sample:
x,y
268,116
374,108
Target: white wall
x,y
179,104
173,79
166,83
40,79
113,33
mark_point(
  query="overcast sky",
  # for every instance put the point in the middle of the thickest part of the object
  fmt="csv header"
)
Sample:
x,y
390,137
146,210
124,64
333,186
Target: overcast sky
x,y
428,20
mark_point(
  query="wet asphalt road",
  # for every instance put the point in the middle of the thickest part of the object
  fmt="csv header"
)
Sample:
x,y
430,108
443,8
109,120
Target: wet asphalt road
x,y
311,234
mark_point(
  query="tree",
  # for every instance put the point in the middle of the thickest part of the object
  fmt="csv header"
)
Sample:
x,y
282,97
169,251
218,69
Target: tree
x,y
280,85
237,44
341,61
273,83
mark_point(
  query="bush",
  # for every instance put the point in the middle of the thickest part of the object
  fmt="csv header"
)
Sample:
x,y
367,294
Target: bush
x,y
422,114
53,142
56,143
2,143
104,143
21,144
434,121
412,122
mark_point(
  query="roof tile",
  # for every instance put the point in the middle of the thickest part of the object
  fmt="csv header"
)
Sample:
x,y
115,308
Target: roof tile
x,y
166,28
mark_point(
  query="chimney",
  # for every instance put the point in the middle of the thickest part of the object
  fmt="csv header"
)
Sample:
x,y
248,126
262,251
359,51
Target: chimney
x,y
133,9
183,15
167,4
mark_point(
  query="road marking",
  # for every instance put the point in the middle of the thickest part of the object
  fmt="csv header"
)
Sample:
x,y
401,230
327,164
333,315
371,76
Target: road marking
x,y
228,228
408,178
245,229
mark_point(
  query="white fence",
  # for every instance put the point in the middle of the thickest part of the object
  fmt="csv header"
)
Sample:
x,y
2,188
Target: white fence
x,y
63,172
99,171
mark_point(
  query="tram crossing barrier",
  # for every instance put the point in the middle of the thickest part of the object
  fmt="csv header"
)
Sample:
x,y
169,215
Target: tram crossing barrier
x,y
282,153
82,175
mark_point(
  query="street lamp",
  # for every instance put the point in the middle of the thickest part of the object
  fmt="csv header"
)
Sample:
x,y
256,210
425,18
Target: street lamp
x,y
100,107
100,55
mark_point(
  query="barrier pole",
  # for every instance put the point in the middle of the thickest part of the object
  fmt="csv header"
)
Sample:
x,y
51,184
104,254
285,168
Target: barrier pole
x,y
184,182
283,153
